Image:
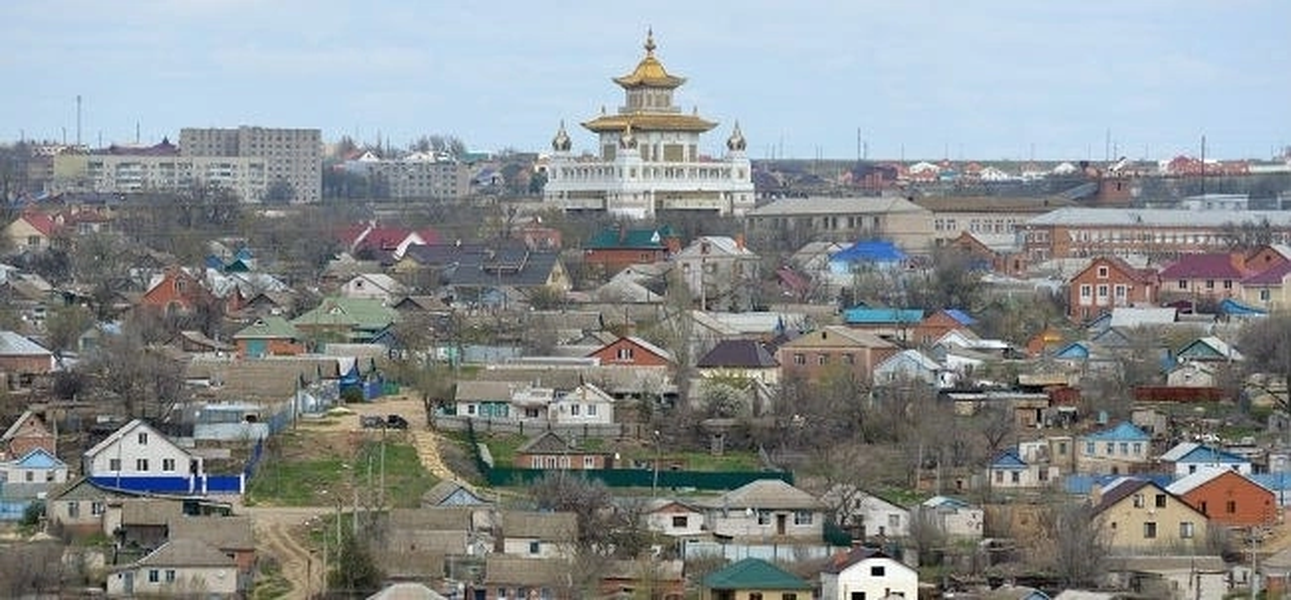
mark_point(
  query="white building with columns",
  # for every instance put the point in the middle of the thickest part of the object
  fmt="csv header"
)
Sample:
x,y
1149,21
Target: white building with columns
x,y
648,156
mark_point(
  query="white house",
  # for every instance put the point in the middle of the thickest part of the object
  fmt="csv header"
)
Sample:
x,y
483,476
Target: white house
x,y
873,515
674,518
180,568
911,366
375,286
33,473
766,509
868,573
586,404
956,518
137,450
1190,457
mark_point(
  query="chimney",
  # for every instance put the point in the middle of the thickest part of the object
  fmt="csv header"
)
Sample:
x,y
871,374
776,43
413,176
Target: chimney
x,y
739,241
1095,494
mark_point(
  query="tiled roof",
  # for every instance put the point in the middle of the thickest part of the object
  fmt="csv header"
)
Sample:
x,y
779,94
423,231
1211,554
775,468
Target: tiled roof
x,y
1159,217
817,205
550,526
741,354
837,335
1119,489
1203,266
753,574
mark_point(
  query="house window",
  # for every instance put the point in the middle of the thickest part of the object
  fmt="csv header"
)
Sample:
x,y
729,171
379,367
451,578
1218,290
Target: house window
x,y
1210,284
96,508
470,409
30,476
1138,448
1185,529
1102,290
764,517
1086,290
755,595
680,521
154,575
1125,448
878,571
1264,295
533,547
1149,530
73,509
1160,501
575,409
536,462
591,410
1183,284
141,465
822,359
799,359
589,462
1089,448
1102,272
999,477
1015,476
168,464
1062,448
1228,284
1230,506
624,354
143,438
1111,448
1138,500
802,517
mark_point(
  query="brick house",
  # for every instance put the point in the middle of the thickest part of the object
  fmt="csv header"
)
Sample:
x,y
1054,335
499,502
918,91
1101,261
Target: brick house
x,y
269,336
1106,283
1227,497
177,290
632,351
22,360
617,247
551,452
32,230
938,324
812,354
27,433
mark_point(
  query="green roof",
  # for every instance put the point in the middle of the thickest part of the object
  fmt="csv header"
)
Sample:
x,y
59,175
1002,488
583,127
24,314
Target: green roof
x,y
613,237
270,327
754,574
357,313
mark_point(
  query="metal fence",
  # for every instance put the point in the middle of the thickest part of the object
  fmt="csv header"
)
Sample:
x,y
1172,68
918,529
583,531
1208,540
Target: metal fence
x,y
529,428
641,478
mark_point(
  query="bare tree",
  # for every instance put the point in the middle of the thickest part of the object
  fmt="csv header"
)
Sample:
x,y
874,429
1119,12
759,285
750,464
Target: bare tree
x,y
1071,542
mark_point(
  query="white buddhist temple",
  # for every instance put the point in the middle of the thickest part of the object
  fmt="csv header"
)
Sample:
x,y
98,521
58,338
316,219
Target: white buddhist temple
x,y
648,156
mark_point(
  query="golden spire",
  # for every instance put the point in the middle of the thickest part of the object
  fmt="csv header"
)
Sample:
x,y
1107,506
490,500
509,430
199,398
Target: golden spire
x,y
649,72
649,43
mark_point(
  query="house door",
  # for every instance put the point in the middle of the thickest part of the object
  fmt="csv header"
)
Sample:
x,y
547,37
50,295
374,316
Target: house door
x,y
780,524
129,583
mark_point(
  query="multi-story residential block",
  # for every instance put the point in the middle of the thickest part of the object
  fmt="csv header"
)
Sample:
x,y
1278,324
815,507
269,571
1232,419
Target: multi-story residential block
x,y
720,272
801,220
649,156
1117,450
417,175
1158,233
290,156
1108,283
246,177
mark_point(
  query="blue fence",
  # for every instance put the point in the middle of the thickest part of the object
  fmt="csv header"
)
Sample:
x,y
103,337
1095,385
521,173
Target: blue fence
x,y
205,484
13,510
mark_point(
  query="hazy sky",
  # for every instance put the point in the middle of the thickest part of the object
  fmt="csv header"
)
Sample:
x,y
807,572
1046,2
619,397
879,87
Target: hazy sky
x,y
990,80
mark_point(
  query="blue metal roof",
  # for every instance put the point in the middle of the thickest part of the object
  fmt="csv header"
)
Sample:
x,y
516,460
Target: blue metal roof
x,y
1206,454
1122,432
1230,306
39,458
1083,483
862,315
960,316
870,251
1008,459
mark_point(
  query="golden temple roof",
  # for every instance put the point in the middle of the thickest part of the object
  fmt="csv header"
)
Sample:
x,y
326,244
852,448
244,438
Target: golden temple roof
x,y
646,121
649,72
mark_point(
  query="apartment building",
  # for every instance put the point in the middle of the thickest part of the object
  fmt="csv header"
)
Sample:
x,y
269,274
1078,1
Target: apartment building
x,y
817,218
125,172
291,156
984,216
417,175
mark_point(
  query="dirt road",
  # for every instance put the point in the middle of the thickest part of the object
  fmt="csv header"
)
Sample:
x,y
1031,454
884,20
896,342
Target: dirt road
x,y
282,531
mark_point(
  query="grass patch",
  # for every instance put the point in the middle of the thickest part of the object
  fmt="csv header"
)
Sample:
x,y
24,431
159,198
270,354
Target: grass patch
x,y
269,582
306,470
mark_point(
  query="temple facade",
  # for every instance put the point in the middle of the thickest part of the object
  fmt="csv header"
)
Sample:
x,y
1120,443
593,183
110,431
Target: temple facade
x,y
648,158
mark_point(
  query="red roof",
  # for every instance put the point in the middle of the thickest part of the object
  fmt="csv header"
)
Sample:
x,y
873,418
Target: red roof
x,y
1204,266
1270,276
1136,274
40,222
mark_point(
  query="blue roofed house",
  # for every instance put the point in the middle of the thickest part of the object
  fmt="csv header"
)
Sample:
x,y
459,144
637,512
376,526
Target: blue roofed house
x,y
1189,457
140,458
888,323
1117,450
1209,348
1023,466
864,256
31,475
952,516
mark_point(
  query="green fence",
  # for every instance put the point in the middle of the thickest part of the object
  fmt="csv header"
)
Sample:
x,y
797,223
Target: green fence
x,y
641,478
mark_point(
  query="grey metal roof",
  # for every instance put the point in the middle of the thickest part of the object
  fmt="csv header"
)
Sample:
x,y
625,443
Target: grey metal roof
x,y
789,207
1159,217
13,344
